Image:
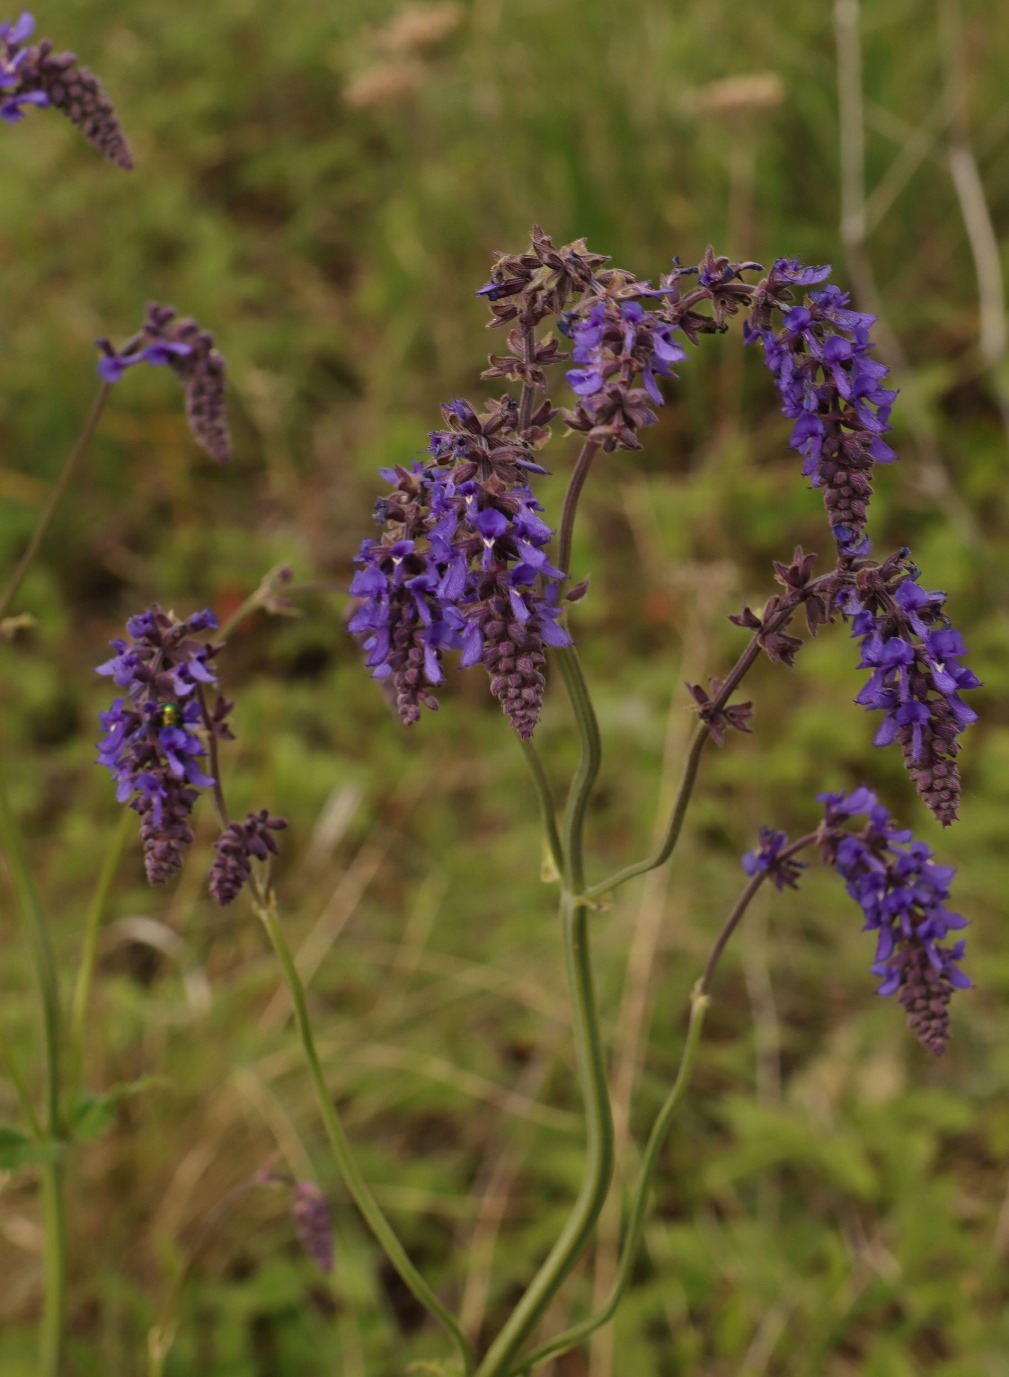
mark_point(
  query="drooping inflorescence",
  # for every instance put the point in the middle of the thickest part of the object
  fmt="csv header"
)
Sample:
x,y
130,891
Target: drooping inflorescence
x,y
156,746
31,74
188,350
902,893
913,653
461,563
829,386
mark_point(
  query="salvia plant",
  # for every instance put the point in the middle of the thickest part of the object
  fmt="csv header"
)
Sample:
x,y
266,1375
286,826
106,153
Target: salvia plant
x,y
471,563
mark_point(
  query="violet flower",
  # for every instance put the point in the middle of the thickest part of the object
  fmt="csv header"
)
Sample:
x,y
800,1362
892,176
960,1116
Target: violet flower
x,y
913,653
152,745
903,894
33,75
462,565
188,350
830,387
237,845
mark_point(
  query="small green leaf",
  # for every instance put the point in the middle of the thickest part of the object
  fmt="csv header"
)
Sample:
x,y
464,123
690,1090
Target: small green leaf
x,y
18,1151
96,1114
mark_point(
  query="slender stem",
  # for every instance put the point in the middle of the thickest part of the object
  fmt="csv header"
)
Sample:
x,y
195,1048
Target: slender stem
x,y
574,492
693,758
528,393
577,1231
740,907
588,766
266,910
547,813
89,951
214,754
55,498
54,1316
53,1328
699,1003
672,834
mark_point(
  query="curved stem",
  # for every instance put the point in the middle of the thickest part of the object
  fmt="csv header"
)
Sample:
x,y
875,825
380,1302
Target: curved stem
x,y
672,834
588,766
547,814
577,1230
699,1003
574,492
265,907
53,1330
55,498
89,951
690,765
740,907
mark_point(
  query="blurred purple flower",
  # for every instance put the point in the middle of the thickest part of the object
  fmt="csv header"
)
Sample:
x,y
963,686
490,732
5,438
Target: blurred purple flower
x,y
36,76
189,352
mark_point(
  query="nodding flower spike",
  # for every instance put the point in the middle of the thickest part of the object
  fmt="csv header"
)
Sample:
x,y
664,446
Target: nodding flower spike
x,y
188,350
902,893
32,75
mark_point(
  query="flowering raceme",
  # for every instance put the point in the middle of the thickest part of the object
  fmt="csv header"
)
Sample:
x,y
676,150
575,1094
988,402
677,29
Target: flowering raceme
x,y
188,350
830,388
33,75
913,652
903,894
156,745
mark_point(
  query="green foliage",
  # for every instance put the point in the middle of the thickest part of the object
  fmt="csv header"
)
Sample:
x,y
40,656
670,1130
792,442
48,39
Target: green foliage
x,y
831,1201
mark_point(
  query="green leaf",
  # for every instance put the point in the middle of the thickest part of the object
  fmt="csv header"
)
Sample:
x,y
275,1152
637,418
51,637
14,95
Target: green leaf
x,y
96,1114
18,1151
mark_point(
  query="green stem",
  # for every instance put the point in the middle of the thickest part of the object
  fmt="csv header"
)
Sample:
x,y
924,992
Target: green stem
x,y
53,1328
89,950
54,1315
672,834
570,1337
55,498
588,767
547,814
265,907
577,1231
574,492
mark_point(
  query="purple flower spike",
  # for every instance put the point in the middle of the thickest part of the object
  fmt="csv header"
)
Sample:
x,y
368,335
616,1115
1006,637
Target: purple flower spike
x,y
830,388
237,845
189,352
462,565
310,1211
153,745
903,894
36,76
916,678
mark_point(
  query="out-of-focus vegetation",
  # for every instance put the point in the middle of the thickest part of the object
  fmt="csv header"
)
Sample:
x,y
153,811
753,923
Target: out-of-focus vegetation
x,y
323,186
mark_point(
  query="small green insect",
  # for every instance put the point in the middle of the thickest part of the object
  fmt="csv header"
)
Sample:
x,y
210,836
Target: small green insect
x,y
169,715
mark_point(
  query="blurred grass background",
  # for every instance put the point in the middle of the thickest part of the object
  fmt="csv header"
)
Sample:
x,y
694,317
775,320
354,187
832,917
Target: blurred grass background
x,y
324,186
